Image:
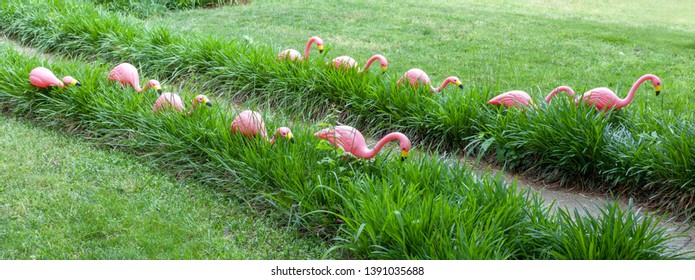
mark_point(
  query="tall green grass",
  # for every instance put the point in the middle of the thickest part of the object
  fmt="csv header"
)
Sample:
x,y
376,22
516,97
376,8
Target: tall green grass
x,y
574,143
422,208
147,8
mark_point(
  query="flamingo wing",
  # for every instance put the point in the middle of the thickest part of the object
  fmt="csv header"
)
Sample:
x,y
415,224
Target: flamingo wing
x,y
249,123
42,77
601,98
515,98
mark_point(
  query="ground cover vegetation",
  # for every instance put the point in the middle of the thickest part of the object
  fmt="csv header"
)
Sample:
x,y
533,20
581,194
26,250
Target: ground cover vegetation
x,y
241,69
421,208
147,8
61,198
643,152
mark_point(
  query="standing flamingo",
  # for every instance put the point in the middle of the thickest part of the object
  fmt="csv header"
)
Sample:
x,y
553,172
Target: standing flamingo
x,y
126,74
173,100
566,89
43,78
605,99
293,54
416,76
352,141
251,123
349,62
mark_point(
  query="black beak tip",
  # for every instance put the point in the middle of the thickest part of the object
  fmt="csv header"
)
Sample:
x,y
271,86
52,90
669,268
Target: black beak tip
x,y
78,84
461,86
292,140
159,91
320,51
208,103
657,92
402,158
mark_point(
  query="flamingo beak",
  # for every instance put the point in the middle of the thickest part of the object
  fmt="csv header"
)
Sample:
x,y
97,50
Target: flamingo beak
x,y
383,69
320,48
458,84
207,102
404,155
290,137
657,89
158,89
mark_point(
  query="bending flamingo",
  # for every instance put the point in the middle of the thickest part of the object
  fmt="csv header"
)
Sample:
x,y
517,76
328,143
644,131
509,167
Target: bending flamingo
x,y
349,62
416,76
566,89
251,123
173,100
519,98
352,141
514,98
43,78
293,54
605,99
126,74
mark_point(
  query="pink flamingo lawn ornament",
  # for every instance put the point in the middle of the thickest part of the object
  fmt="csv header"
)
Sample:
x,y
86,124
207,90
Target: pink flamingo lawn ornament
x,y
519,98
293,54
352,141
173,100
42,77
126,74
251,123
416,76
349,62
605,99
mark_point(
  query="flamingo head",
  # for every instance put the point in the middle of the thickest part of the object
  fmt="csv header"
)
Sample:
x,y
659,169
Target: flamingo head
x,y
657,84
68,80
201,99
456,81
286,133
382,62
405,148
319,43
155,85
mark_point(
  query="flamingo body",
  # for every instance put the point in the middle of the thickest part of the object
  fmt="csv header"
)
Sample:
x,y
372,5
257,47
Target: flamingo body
x,y
126,74
293,54
168,100
351,140
43,78
251,124
417,76
514,98
605,99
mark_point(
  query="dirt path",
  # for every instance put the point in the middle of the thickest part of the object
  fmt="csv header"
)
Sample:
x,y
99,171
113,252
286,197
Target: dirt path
x,y
552,194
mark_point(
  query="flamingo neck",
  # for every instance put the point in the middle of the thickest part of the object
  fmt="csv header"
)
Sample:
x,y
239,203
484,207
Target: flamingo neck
x,y
308,47
566,89
631,95
382,61
441,87
370,153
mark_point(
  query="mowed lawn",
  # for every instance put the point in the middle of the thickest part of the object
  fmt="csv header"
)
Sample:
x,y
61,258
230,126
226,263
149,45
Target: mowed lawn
x,y
529,45
63,199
